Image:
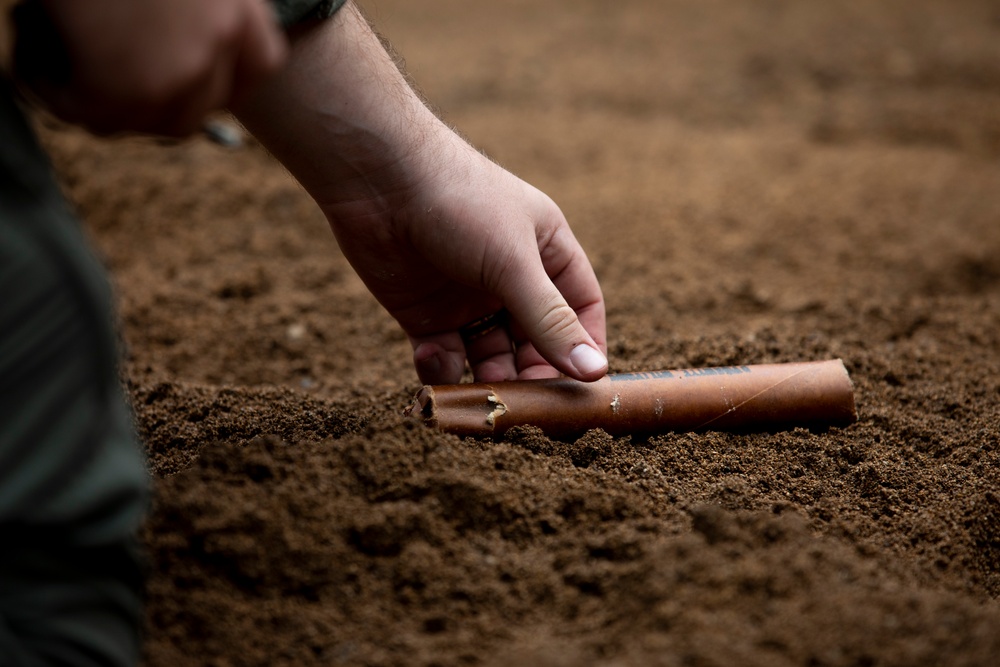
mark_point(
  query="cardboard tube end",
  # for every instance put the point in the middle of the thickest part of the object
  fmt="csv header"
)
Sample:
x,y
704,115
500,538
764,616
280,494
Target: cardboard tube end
x,y
851,412
422,407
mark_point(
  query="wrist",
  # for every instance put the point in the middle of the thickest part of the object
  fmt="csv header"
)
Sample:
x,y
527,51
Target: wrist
x,y
388,176
344,121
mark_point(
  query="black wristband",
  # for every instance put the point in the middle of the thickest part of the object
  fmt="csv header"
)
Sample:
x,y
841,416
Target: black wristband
x,y
292,12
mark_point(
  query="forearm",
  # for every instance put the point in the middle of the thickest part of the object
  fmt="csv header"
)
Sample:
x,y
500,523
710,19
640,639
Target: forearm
x,y
441,235
340,116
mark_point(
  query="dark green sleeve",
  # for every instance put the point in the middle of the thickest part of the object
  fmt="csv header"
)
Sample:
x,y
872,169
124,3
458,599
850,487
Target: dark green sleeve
x,y
73,484
291,12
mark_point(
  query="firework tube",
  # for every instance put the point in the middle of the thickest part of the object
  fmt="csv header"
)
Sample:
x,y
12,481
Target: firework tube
x,y
729,398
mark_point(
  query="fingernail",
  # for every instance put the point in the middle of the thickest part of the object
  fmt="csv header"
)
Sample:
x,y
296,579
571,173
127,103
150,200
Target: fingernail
x,y
586,360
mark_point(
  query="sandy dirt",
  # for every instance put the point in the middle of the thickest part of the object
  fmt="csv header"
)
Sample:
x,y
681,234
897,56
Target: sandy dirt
x,y
778,180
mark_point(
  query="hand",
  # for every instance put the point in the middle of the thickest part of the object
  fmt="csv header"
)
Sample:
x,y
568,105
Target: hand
x,y
441,235
472,240
153,66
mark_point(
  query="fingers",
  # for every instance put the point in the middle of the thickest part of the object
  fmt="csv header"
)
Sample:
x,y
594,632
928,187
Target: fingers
x,y
560,339
554,330
556,324
574,277
158,67
560,317
263,50
441,358
490,353
255,49
186,112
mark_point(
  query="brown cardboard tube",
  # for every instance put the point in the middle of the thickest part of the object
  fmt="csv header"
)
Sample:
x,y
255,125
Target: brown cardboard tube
x,y
731,398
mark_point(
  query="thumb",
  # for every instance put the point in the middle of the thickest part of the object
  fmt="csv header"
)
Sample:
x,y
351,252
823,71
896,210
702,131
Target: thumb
x,y
556,328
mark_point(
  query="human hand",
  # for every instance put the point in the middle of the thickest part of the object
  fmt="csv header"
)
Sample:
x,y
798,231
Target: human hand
x,y
442,236
152,66
469,241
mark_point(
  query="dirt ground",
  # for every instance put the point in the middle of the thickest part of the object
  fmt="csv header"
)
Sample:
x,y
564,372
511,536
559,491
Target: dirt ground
x,y
766,181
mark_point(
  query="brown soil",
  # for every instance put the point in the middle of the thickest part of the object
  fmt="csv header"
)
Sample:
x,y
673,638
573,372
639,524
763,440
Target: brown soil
x,y
755,182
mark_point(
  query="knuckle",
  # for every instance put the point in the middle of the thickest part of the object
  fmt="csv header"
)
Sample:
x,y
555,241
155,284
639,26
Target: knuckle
x,y
230,27
558,323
